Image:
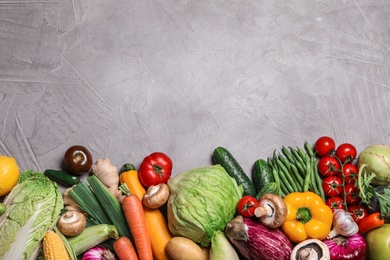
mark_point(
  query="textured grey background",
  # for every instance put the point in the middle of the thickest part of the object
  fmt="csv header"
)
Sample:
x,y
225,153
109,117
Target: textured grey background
x,y
129,77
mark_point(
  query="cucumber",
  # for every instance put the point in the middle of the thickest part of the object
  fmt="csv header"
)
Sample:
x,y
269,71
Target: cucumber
x,y
271,187
223,157
64,178
261,174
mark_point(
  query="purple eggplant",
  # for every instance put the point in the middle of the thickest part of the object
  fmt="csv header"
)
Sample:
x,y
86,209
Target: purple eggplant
x,y
254,241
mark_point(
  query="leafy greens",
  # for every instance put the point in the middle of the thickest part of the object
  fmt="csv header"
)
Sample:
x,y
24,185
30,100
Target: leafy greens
x,y
33,207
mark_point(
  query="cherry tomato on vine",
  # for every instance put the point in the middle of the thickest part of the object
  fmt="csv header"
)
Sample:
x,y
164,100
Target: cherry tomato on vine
x,y
358,212
78,159
335,203
346,152
325,145
328,166
156,168
352,194
333,186
247,205
350,173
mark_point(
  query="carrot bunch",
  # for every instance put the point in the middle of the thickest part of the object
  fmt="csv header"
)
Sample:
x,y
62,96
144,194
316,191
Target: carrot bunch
x,y
134,213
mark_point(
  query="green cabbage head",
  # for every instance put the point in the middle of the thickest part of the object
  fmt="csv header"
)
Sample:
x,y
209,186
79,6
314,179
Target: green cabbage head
x,y
377,160
201,202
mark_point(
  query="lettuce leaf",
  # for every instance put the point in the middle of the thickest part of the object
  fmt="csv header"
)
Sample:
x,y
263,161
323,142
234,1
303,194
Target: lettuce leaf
x,y
33,207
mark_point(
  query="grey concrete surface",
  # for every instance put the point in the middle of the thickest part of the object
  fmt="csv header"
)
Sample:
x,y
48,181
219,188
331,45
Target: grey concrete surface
x,y
129,77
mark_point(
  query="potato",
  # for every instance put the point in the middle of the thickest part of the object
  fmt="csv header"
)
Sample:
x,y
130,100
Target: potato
x,y
181,248
206,252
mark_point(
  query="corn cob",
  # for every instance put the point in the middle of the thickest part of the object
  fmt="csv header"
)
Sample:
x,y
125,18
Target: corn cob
x,y
53,247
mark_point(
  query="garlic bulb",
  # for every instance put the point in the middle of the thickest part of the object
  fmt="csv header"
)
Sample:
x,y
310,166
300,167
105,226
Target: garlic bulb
x,y
343,224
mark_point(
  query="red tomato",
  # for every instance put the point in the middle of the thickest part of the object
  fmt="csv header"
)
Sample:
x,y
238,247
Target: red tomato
x,y
247,205
335,203
333,186
346,152
328,166
350,173
155,169
325,145
352,194
358,212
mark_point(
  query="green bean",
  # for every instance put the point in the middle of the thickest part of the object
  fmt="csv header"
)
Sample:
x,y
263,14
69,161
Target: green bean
x,y
281,193
270,163
302,154
301,168
277,180
308,175
293,170
296,155
287,175
317,181
309,149
297,176
285,161
287,153
283,189
284,181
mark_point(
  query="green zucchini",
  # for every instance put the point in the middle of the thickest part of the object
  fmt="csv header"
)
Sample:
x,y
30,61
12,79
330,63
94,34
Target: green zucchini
x,y
271,187
223,157
61,177
261,174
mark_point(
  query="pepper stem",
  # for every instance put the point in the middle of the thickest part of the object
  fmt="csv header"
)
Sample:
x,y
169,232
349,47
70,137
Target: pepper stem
x,y
303,215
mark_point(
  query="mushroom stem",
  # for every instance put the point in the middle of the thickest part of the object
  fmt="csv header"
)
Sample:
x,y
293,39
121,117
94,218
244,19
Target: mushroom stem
x,y
70,217
272,210
265,210
308,254
310,249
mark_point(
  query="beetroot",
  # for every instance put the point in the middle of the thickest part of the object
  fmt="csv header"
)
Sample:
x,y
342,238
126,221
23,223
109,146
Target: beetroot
x,y
254,241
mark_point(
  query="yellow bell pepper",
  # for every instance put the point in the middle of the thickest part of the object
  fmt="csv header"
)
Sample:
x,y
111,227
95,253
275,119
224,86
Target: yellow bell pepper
x,y
307,217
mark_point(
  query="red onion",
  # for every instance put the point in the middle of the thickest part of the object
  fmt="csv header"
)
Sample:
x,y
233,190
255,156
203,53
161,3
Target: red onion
x,y
98,253
351,248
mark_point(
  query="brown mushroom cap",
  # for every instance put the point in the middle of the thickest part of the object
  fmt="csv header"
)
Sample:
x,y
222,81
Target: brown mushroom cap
x,y
310,249
72,223
272,210
156,196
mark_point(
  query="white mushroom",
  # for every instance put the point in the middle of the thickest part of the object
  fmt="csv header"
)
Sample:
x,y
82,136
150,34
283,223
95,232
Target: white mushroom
x,y
272,210
156,196
72,223
310,249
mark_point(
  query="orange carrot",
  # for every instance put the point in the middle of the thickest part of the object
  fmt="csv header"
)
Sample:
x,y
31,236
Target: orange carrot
x,y
134,213
124,249
155,220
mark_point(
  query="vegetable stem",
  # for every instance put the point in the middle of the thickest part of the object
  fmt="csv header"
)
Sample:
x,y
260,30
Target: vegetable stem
x,y
303,215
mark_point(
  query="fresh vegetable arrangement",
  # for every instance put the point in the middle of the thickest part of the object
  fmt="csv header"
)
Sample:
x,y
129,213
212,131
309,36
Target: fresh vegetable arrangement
x,y
319,201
